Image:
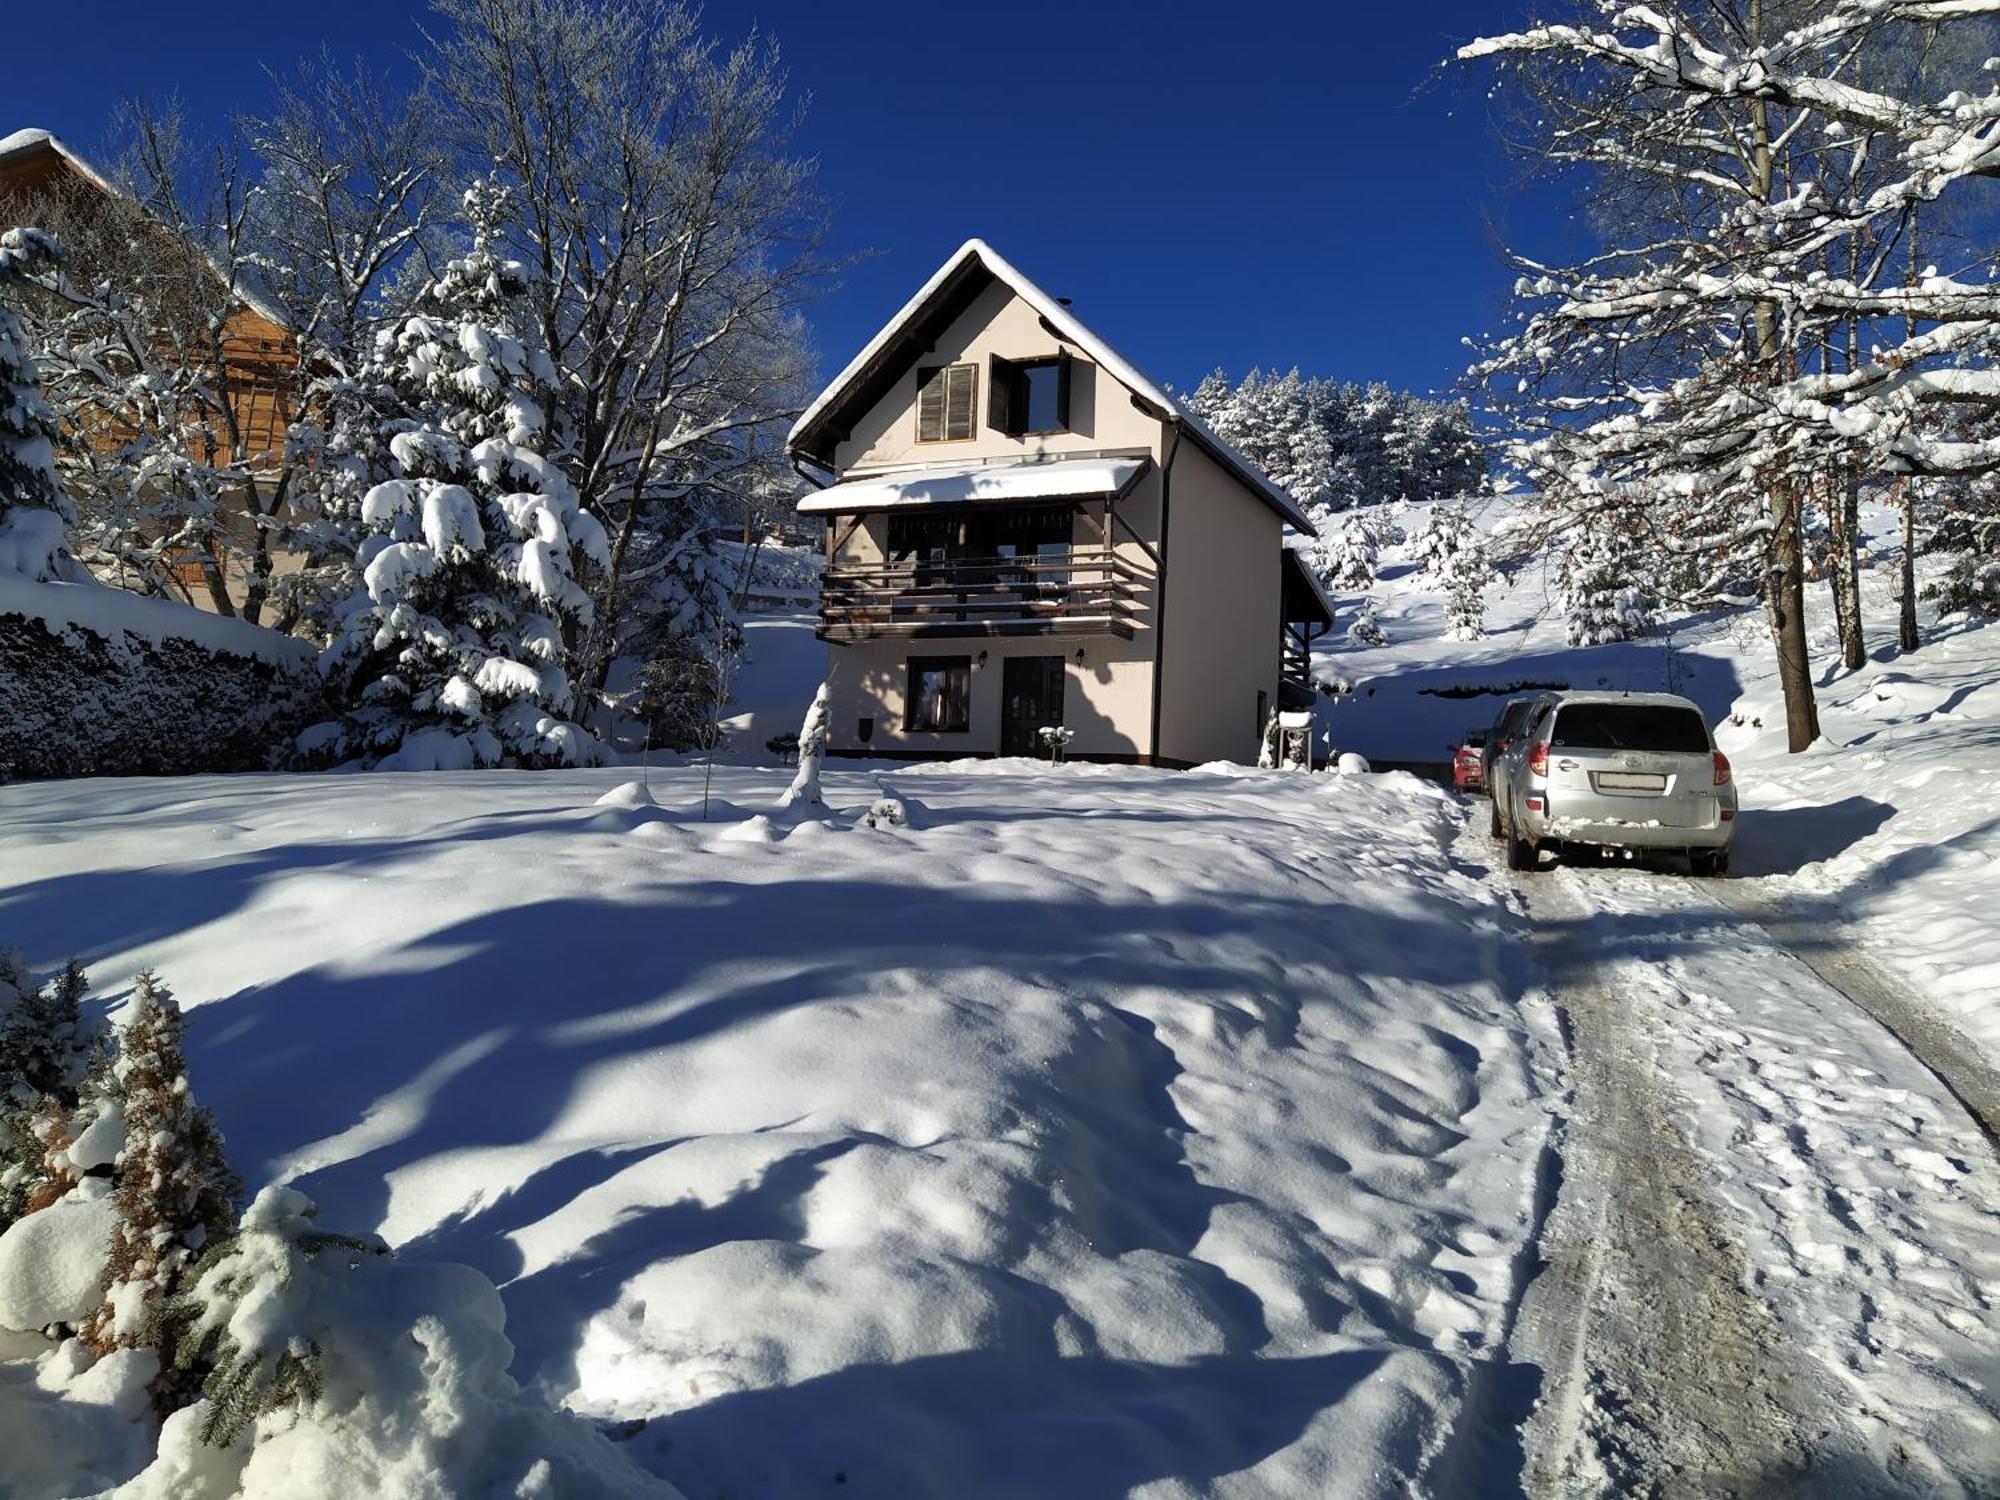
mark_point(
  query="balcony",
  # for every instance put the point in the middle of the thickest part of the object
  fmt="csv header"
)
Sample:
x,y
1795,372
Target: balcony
x,y
1083,591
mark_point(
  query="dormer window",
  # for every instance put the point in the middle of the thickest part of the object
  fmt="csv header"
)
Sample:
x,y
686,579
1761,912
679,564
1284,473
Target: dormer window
x,y
946,402
1029,396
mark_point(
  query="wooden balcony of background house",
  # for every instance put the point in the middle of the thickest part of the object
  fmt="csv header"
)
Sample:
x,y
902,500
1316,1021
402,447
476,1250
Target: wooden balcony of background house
x,y
1080,591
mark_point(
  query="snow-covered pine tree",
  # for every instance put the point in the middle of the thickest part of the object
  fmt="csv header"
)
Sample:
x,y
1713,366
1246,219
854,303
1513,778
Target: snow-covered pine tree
x,y
46,1049
1347,555
34,510
1453,561
456,651
1599,579
1365,629
176,1194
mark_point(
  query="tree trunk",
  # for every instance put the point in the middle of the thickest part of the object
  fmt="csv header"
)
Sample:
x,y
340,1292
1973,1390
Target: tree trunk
x,y
1845,569
1906,621
1784,603
1784,578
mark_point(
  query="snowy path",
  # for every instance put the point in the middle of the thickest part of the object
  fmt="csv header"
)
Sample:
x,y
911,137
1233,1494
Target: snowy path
x,y
1775,1253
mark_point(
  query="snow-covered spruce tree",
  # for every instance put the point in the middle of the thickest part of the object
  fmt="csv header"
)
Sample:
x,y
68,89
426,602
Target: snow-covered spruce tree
x,y
455,653
804,790
1347,554
1453,560
1365,629
176,1194
34,511
243,1331
46,1051
1598,575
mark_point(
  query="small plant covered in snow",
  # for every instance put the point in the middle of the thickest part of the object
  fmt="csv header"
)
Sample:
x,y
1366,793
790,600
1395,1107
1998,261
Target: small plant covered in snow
x,y
1365,629
243,1327
34,511
453,653
176,1194
804,790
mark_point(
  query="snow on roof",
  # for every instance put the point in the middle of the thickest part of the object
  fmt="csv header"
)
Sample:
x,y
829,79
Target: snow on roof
x,y
1071,330
26,140
957,484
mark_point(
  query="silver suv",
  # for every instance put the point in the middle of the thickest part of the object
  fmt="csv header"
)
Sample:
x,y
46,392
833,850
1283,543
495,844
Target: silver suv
x,y
1635,771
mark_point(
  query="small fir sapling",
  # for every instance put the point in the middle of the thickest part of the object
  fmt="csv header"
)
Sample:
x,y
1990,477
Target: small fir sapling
x,y
176,1194
242,1330
804,790
1365,629
46,1053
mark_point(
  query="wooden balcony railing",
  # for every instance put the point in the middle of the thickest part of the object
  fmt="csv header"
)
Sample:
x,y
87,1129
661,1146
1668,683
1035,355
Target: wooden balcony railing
x,y
1084,591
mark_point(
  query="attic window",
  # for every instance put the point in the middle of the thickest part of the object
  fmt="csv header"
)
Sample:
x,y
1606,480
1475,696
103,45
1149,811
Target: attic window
x,y
1029,396
945,403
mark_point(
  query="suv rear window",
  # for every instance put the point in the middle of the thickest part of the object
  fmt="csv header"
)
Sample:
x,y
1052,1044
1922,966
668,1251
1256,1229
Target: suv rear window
x,y
1628,726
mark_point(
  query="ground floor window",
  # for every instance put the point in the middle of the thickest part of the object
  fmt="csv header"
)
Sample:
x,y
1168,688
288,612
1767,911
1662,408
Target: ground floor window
x,y
940,695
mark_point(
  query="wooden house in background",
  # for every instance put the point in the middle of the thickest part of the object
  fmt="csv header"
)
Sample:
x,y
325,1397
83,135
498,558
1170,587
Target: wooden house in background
x,y
260,355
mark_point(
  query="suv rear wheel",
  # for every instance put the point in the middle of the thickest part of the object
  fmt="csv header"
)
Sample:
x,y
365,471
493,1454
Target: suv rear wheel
x,y
1708,863
1521,854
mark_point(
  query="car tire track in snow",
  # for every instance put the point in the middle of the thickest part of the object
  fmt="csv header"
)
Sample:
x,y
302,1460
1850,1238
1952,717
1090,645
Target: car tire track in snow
x,y
1771,1268
1689,1392
1932,1040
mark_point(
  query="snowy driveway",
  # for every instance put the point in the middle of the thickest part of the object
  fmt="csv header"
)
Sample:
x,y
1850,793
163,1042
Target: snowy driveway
x,y
1774,1257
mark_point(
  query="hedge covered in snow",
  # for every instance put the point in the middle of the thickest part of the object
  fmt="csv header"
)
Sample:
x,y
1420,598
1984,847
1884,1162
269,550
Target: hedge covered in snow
x,y
98,682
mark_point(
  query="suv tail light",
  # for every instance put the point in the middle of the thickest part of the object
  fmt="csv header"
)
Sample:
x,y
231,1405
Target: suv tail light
x,y
1538,761
1721,769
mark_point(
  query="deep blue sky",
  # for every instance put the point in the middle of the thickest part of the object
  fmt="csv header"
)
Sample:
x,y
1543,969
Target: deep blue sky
x,y
1230,185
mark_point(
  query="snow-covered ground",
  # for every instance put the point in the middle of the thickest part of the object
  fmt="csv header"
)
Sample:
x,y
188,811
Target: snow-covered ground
x,y
1100,1131
1109,1131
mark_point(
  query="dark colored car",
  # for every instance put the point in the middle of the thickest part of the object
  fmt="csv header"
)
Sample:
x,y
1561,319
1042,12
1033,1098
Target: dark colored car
x,y
1468,767
1507,728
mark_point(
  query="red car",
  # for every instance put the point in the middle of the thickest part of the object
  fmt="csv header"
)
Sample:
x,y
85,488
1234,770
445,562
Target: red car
x,y
1468,771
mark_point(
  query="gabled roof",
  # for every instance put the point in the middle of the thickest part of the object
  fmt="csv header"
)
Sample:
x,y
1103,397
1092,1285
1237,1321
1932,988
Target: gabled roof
x,y
948,293
24,143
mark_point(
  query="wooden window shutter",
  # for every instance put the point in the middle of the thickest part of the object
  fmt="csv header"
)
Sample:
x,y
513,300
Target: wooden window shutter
x,y
961,386
930,405
1063,366
1003,404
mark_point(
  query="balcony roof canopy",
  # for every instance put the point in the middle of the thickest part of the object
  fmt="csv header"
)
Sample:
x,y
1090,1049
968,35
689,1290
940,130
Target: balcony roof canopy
x,y
1012,482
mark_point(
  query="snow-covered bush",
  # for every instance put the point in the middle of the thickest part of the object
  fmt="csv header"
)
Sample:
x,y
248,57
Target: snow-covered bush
x,y
98,682
55,1262
804,790
328,1367
176,1193
1365,629
456,651
34,511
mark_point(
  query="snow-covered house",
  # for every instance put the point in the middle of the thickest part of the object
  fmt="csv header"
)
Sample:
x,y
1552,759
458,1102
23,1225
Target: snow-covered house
x,y
1024,532
259,352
